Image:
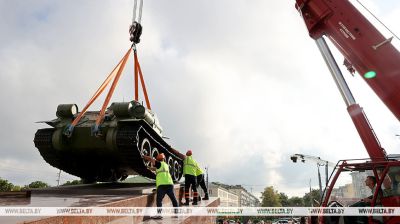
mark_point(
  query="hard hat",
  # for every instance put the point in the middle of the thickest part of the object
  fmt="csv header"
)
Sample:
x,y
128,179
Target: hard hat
x,y
160,157
189,153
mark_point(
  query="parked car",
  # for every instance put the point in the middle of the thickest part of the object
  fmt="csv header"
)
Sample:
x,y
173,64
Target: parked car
x,y
281,221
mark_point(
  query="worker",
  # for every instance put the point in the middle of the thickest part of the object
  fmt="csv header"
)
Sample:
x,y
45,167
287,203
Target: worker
x,y
189,170
201,182
370,182
387,184
164,183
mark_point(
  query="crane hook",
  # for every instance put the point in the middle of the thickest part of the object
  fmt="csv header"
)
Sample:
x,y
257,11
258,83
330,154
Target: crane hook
x,y
135,30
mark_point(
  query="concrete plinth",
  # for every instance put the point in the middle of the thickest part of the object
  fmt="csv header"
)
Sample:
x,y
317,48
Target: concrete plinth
x,y
213,202
100,195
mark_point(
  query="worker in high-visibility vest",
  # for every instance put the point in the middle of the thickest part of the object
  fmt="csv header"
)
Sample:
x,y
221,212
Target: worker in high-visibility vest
x,y
164,183
189,170
201,182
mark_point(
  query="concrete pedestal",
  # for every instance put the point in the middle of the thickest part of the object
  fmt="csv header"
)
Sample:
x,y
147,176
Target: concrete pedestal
x,y
101,195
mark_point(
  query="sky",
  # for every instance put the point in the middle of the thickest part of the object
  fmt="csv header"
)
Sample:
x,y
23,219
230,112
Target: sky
x,y
239,82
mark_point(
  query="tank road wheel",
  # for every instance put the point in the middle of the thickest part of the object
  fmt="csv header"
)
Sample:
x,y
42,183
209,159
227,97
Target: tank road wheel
x,y
177,170
154,153
145,149
170,163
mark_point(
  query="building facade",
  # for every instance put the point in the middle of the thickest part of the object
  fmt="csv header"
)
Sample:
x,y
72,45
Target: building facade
x,y
226,197
233,195
246,199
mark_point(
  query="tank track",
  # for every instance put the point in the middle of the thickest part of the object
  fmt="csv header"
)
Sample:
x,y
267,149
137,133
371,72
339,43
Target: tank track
x,y
58,159
147,143
113,167
43,141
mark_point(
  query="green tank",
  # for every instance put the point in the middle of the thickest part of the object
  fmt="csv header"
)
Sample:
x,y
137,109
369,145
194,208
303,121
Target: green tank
x,y
114,151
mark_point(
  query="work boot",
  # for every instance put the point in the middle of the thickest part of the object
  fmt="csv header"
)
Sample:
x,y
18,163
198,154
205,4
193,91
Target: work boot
x,y
186,203
194,201
157,217
205,197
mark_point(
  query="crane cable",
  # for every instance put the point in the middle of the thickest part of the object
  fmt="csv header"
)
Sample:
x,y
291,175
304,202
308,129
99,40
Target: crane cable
x,y
135,30
140,11
378,19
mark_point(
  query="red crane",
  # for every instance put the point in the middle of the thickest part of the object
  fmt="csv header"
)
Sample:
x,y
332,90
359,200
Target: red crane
x,y
370,54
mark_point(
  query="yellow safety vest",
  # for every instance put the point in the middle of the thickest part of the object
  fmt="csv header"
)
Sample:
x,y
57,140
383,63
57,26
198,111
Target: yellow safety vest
x,y
162,175
189,166
199,171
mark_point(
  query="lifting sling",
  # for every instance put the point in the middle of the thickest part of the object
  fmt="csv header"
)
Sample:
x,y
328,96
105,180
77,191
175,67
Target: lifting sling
x,y
135,31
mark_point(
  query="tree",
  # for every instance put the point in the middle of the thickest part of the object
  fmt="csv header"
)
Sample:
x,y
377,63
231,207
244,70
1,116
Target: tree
x,y
296,202
5,185
270,197
37,184
284,199
16,188
310,198
74,182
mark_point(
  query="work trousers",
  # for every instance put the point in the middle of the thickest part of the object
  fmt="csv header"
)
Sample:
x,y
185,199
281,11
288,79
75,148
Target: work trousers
x,y
190,180
357,219
163,190
202,183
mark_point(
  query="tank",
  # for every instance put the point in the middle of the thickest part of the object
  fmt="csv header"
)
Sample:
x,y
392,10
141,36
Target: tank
x,y
114,151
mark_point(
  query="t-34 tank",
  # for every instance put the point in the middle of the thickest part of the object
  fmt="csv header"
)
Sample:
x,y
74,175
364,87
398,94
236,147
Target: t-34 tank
x,y
128,131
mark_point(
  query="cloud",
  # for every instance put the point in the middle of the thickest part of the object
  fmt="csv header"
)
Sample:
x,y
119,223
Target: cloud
x,y
240,83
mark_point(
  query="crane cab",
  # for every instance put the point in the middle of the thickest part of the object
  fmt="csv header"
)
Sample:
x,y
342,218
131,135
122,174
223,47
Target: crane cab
x,y
347,187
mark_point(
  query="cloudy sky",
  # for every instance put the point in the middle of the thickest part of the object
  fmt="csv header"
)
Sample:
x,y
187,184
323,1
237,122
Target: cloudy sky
x,y
239,82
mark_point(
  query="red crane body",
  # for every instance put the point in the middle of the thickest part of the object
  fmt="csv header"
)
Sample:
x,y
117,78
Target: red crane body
x,y
362,45
373,56
366,50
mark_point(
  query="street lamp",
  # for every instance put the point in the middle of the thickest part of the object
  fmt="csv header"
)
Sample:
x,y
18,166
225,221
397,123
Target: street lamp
x,y
319,163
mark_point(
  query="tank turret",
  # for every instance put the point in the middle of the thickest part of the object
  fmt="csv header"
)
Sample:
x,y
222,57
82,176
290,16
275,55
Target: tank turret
x,y
114,151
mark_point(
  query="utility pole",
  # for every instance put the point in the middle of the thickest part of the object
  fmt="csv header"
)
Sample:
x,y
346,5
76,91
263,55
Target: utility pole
x,y
206,168
58,178
311,200
319,181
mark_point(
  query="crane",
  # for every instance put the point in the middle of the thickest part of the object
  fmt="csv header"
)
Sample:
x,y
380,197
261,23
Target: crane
x,y
370,54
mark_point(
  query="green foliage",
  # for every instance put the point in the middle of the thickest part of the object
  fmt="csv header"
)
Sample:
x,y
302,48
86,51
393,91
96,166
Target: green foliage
x,y
295,202
37,184
270,198
5,185
311,197
284,199
16,188
74,182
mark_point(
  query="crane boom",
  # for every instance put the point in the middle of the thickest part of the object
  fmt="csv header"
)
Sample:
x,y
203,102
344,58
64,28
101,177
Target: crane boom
x,y
373,56
360,120
365,49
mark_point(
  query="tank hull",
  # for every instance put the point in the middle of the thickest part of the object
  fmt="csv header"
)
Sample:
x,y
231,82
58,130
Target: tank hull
x,y
111,156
